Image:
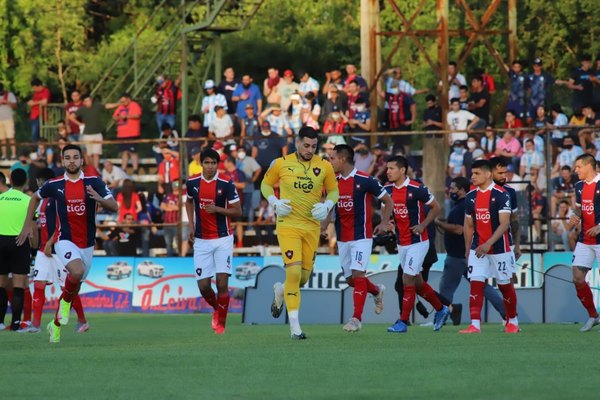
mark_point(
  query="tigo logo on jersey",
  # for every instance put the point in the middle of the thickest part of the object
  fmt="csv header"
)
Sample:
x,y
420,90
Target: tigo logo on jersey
x,y
76,206
346,203
203,204
587,207
304,183
401,210
483,216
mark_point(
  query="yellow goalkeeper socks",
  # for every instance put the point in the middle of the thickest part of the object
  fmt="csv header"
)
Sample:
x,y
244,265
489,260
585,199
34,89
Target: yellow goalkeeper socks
x,y
291,287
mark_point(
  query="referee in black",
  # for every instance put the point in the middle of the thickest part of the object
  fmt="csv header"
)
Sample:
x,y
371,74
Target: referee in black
x,y
13,259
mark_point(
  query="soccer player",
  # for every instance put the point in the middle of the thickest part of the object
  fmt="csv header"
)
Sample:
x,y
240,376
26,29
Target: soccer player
x,y
211,203
587,212
302,176
47,266
15,260
499,167
76,197
410,198
487,243
354,229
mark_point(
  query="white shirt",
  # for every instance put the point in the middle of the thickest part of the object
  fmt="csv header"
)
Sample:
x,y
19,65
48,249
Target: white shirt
x,y
567,157
117,174
459,120
310,85
221,127
535,159
210,102
454,89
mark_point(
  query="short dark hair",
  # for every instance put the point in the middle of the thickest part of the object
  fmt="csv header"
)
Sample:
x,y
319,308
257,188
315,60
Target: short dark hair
x,y
482,164
126,95
453,63
45,174
36,82
586,57
556,108
2,178
60,121
430,97
230,159
400,161
565,168
194,118
71,146
462,183
18,177
307,132
565,202
345,151
496,162
210,153
477,78
454,100
517,62
165,126
587,159
463,87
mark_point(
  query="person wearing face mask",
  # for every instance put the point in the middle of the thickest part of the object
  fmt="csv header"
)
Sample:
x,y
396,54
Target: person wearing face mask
x,y
530,159
335,125
252,171
472,145
567,156
455,265
360,122
456,162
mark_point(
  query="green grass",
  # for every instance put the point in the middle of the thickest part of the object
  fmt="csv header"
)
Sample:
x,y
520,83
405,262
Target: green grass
x,y
130,356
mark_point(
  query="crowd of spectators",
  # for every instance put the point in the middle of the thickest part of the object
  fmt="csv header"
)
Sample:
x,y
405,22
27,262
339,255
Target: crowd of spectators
x,y
250,124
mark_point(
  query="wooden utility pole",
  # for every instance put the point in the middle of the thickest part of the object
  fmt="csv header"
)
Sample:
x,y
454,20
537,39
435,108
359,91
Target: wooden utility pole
x,y
370,51
512,28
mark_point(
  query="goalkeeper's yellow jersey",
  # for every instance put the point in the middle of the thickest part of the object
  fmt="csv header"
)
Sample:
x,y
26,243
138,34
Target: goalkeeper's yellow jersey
x,y
301,182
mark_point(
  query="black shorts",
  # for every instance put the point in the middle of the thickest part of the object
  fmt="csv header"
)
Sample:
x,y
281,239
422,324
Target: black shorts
x,y
126,146
15,259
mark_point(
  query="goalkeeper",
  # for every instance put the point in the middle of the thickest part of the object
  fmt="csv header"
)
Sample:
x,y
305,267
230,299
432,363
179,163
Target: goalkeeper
x,y
301,177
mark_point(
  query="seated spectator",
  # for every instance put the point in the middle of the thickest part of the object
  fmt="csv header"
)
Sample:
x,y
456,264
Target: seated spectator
x,y
45,153
294,113
278,121
120,241
538,203
265,220
352,97
479,102
360,122
61,130
531,159
541,121
238,177
559,121
221,127
567,156
515,180
456,166
129,201
472,146
334,102
170,207
512,122
590,135
194,131
335,125
561,228
401,114
145,218
538,141
168,169
509,148
168,137
489,143
459,120
311,110
563,188
363,159
195,166
113,176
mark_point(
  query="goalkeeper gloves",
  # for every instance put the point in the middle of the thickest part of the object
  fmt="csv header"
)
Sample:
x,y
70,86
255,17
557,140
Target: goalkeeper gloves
x,y
280,206
321,210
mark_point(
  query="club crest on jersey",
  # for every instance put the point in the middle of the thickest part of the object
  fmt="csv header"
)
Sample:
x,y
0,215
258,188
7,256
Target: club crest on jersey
x,y
410,195
358,186
68,255
289,254
316,171
219,192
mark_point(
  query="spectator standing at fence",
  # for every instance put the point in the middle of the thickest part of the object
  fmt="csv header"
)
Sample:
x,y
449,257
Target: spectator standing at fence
x,y
353,95
359,123
168,169
41,97
250,126
538,88
227,88
581,84
210,100
195,166
479,102
127,117
235,175
8,103
308,84
277,120
194,132
402,111
530,159
170,208
352,75
271,87
432,116
221,127
165,96
71,108
245,94
463,97
459,120
455,80
252,172
568,155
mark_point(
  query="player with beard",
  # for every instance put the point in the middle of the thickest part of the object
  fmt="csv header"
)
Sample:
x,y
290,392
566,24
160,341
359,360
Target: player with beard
x,y
302,176
76,197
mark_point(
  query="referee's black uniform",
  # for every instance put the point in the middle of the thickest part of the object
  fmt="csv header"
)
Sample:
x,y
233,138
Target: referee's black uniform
x,y
13,259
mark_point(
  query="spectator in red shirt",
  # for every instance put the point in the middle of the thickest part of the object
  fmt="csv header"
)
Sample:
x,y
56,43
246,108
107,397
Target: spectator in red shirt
x,y
166,102
40,97
71,108
129,201
512,122
170,208
127,117
168,169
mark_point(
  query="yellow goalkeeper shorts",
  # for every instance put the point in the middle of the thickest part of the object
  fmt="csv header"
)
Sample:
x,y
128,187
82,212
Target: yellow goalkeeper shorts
x,y
298,246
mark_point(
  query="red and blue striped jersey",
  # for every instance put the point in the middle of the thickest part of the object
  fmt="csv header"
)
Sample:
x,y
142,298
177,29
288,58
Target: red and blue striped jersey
x,y
75,209
587,196
46,220
219,192
353,210
410,200
485,207
512,193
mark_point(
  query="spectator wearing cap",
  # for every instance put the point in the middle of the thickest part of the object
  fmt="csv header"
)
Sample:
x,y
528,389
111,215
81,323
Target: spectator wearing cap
x,y
165,97
250,126
432,116
227,87
538,86
271,87
194,132
287,87
210,101
334,100
247,93
277,121
40,97
195,166
294,113
308,85
221,127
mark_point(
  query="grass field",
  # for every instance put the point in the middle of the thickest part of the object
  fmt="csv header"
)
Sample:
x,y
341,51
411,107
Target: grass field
x,y
132,356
